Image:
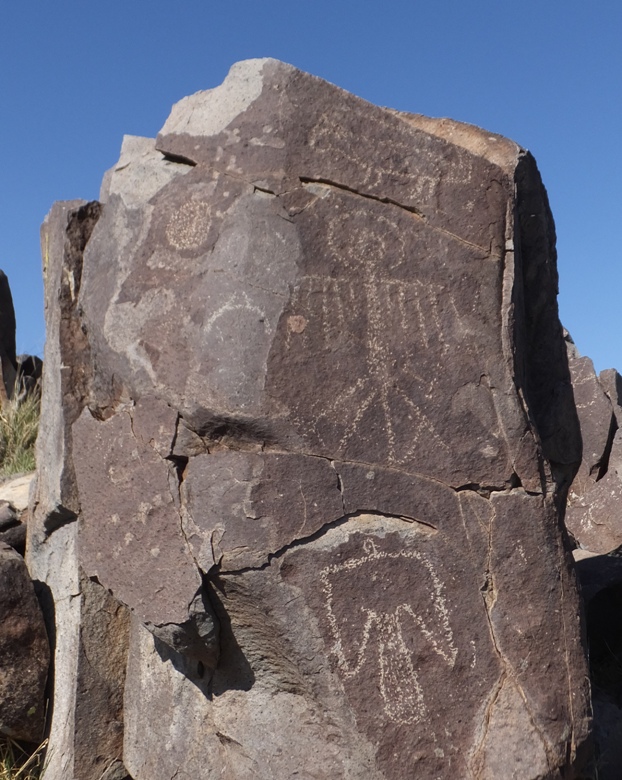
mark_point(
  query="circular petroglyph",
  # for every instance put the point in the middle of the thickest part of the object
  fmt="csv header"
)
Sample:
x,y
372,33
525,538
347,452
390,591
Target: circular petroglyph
x,y
188,226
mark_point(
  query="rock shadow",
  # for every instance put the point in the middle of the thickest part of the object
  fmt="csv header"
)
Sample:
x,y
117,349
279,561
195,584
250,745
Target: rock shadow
x,y
45,598
232,672
601,581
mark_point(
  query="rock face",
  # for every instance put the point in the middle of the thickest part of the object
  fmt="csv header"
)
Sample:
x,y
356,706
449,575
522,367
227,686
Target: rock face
x,y
88,627
594,519
24,652
593,515
312,386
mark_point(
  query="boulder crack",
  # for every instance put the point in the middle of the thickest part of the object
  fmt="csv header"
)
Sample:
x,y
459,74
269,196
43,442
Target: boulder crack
x,y
489,595
300,542
391,202
571,740
353,191
476,752
340,486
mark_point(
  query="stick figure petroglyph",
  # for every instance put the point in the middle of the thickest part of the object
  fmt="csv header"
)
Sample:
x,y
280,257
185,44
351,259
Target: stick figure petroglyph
x,y
384,632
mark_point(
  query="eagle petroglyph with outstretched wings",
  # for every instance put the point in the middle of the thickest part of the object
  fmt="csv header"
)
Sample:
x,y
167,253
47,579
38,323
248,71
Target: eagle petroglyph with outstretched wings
x,y
365,347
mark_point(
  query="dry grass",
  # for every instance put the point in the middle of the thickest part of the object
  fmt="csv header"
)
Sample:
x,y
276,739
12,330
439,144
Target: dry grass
x,y
19,423
19,763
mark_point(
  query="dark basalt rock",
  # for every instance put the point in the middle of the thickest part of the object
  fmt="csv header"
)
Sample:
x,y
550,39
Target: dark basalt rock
x,y
24,652
8,362
316,432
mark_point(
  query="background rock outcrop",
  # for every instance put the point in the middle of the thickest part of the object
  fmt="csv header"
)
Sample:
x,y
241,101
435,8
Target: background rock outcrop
x,y
8,362
308,429
593,515
594,520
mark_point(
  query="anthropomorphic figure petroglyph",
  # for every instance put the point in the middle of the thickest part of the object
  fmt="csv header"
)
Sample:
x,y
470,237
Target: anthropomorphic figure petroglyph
x,y
382,637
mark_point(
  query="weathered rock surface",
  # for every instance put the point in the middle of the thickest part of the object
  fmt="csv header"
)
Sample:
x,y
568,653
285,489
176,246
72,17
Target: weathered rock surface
x,y
593,514
88,627
24,651
597,422
315,426
611,382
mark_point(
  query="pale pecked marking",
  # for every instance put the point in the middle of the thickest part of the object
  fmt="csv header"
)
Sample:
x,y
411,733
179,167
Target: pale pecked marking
x,y
400,689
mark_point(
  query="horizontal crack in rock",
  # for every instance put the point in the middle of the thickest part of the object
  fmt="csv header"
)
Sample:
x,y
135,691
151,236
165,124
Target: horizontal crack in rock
x,y
387,201
177,158
300,542
391,202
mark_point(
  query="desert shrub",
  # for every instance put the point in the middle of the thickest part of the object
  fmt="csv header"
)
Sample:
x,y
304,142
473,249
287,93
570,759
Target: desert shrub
x,y
19,423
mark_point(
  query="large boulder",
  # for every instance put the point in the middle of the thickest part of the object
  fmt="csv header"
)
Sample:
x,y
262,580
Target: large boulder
x,y
597,422
314,428
24,652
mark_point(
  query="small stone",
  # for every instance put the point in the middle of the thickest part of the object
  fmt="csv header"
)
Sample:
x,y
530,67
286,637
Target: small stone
x,y
17,490
8,515
15,537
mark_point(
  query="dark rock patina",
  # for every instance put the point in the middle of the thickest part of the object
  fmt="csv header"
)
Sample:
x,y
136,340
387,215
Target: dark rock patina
x,y
317,434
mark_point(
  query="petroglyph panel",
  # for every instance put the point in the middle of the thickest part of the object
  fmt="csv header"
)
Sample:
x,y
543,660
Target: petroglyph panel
x,y
208,273
400,631
325,137
313,377
395,166
374,323
130,525
367,301
334,137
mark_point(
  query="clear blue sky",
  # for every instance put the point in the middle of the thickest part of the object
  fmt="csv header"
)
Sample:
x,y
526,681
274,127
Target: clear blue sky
x,y
75,76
